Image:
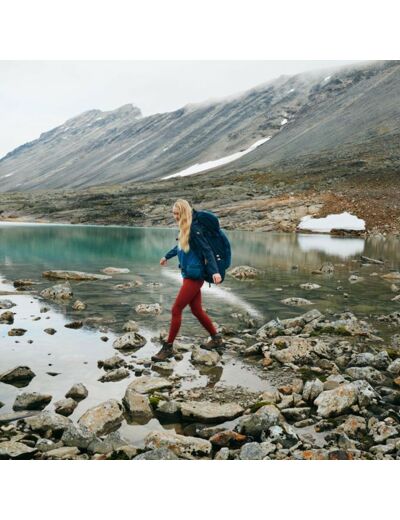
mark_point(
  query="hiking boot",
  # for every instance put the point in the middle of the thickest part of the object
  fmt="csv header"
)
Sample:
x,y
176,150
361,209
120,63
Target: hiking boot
x,y
164,353
215,343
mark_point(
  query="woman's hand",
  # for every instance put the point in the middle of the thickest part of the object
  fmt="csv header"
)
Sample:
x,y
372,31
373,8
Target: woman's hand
x,y
163,261
217,278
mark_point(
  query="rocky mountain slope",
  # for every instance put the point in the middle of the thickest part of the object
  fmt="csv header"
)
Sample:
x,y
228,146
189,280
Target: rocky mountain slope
x,y
307,116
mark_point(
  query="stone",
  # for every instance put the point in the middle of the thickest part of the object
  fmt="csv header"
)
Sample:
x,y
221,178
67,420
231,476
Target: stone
x,y
31,401
46,420
131,326
112,363
365,393
183,446
227,438
15,450
206,411
381,431
74,325
296,414
152,308
65,406
16,332
256,423
312,389
79,306
168,408
63,453
392,276
355,279
6,304
353,425
222,454
370,374
137,405
393,368
297,302
103,418
129,341
244,272
7,317
205,357
17,375
111,442
115,375
58,292
310,286
292,349
77,392
147,384
157,454
50,331
115,270
252,451
333,381
336,401
73,275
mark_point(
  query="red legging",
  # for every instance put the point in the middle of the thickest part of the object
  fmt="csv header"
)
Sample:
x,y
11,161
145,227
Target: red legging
x,y
189,293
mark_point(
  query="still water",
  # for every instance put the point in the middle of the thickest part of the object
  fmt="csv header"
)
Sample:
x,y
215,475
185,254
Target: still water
x,y
285,261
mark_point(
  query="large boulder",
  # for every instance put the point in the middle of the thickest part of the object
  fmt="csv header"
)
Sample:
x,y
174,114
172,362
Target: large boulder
x,y
336,401
137,405
183,446
205,357
18,376
292,349
205,411
103,418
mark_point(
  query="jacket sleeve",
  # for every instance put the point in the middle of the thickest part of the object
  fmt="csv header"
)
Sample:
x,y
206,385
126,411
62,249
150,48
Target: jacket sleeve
x,y
206,250
228,248
171,253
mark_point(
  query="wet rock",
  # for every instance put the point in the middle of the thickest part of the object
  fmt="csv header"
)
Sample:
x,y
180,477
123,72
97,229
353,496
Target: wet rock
x,y
7,317
355,279
346,325
111,442
50,331
223,454
288,326
63,453
157,454
1,404
78,436
57,292
79,306
6,304
77,392
46,420
115,375
131,326
183,446
65,406
298,302
205,357
18,376
310,286
73,275
292,349
244,272
326,268
15,450
168,408
103,418
312,389
152,308
44,445
31,401
112,363
74,325
137,405
392,276
129,341
16,332
367,260
115,270
227,438
147,384
206,411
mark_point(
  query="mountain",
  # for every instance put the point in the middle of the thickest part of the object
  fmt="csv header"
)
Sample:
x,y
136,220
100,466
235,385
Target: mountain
x,y
296,121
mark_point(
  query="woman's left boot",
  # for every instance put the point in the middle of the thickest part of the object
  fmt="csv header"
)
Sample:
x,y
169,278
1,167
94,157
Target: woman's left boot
x,y
215,343
164,353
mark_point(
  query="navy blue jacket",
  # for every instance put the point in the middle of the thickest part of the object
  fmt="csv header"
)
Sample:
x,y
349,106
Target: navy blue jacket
x,y
199,248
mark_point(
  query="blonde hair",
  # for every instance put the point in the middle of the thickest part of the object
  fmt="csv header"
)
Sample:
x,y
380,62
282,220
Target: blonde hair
x,y
185,221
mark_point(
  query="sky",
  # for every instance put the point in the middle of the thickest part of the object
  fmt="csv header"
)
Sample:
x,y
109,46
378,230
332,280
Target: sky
x,y
36,96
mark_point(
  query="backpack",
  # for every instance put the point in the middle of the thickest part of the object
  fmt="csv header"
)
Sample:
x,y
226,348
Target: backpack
x,y
217,240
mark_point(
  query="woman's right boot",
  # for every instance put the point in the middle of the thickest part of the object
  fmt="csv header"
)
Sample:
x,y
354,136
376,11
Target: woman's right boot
x,y
164,353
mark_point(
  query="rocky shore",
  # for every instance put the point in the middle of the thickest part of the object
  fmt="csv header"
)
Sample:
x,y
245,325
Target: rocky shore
x,y
334,393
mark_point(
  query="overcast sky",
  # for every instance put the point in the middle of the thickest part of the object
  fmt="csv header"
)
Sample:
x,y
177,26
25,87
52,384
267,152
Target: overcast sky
x,y
36,96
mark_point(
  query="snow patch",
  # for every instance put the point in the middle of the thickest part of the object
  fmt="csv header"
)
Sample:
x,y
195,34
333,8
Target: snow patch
x,y
201,167
335,221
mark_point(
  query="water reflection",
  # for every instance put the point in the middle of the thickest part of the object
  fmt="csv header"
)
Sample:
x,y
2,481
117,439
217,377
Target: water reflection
x,y
341,247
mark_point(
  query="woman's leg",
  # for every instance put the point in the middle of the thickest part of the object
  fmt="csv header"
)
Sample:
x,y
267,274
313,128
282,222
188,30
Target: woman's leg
x,y
201,315
186,294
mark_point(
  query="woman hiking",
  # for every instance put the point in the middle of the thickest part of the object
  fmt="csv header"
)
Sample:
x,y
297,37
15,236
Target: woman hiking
x,y
191,248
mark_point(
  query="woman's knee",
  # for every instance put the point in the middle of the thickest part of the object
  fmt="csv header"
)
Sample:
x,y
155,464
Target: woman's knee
x,y
176,310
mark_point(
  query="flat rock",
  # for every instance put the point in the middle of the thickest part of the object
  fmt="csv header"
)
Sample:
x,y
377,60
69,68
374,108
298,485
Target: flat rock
x,y
115,375
297,302
183,446
15,450
115,270
17,375
310,286
157,454
292,349
48,421
210,412
103,418
73,275
147,384
112,363
16,332
205,357
152,308
65,452
392,276
31,401
57,292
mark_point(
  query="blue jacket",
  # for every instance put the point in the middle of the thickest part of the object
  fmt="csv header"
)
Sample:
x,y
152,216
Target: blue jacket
x,y
199,259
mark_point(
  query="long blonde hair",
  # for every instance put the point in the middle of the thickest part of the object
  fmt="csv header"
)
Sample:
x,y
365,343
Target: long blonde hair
x,y
185,221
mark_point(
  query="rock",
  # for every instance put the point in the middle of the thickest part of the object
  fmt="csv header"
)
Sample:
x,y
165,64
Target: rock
x,y
355,279
292,349
15,450
333,381
365,393
31,401
206,411
168,408
256,423
48,421
381,361
18,376
65,406
296,414
205,357
74,325
183,446
147,384
110,443
312,389
6,418
111,363
58,292
115,270
129,341
394,288
367,260
131,326
157,454
152,308
45,445
395,299
244,272
393,368
310,286
50,331
115,375
63,453
7,317
370,374
6,304
79,306
103,418
336,401
73,275
392,276
353,425
227,438
298,302
78,436
252,451
77,392
16,332
137,405
223,454
347,325
293,325
381,431
326,268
